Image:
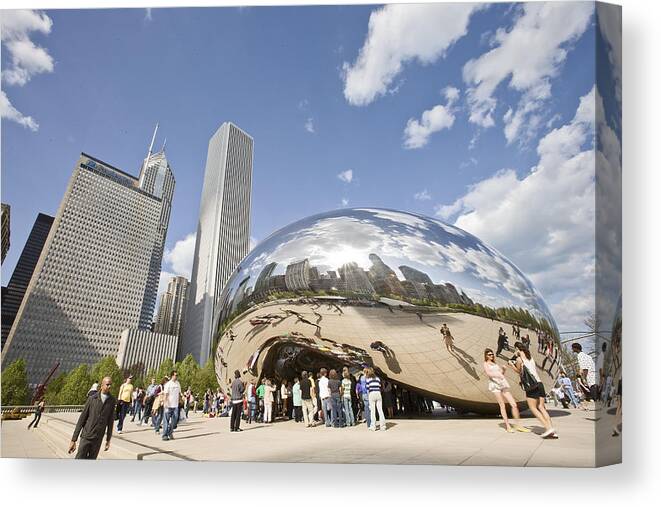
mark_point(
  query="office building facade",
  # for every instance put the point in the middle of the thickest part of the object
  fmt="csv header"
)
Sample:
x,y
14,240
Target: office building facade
x,y
223,233
5,230
141,350
95,276
13,294
172,308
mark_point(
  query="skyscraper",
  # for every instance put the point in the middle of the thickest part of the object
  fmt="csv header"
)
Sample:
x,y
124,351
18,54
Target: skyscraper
x,y
4,227
171,311
12,295
96,274
223,233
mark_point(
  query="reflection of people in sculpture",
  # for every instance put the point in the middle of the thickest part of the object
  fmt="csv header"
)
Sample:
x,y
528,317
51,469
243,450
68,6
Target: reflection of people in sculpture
x,y
378,345
447,337
500,388
502,341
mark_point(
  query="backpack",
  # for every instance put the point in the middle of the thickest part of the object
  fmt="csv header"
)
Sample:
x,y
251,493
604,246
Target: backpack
x,y
527,380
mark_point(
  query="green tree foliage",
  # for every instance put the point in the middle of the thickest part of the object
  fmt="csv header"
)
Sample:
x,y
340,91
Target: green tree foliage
x,y
53,389
107,367
188,370
165,369
75,387
15,384
205,379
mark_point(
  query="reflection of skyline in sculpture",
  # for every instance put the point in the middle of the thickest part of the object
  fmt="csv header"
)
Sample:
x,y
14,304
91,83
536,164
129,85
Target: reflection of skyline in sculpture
x,y
322,290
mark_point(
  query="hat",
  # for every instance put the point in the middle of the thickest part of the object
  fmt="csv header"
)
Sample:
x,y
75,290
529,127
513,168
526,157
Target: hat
x,y
95,387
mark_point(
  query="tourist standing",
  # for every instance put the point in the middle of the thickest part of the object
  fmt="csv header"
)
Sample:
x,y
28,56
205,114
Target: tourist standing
x,y
38,409
138,398
335,401
94,421
524,365
269,389
447,337
565,383
261,391
375,401
172,393
188,399
297,400
124,399
324,394
363,396
284,396
500,388
587,369
306,398
346,399
252,402
238,389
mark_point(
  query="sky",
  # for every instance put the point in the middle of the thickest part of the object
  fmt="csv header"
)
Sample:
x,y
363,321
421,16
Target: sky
x,y
481,115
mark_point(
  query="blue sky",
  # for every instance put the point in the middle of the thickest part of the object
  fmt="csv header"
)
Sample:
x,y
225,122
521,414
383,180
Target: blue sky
x,y
337,113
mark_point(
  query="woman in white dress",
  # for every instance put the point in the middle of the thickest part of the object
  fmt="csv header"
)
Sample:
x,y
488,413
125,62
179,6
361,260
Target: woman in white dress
x,y
500,388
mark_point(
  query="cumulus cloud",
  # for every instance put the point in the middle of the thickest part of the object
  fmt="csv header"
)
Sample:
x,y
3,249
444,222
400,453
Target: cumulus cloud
x,y
8,111
545,220
417,132
345,202
180,257
399,34
27,59
309,125
163,281
610,27
346,176
422,196
526,57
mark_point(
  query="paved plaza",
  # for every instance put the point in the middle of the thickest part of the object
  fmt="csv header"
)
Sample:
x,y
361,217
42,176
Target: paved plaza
x,y
439,440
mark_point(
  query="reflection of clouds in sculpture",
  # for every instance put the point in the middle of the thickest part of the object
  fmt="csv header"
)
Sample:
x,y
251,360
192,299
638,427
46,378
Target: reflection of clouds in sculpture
x,y
444,253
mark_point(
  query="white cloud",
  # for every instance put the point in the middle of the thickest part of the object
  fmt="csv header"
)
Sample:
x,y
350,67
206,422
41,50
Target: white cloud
x,y
527,56
27,59
309,126
346,176
544,221
180,257
253,242
422,196
398,34
148,14
345,202
163,285
417,132
9,112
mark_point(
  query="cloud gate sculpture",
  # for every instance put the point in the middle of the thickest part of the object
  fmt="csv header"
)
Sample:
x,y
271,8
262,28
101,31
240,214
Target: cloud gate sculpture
x,y
374,287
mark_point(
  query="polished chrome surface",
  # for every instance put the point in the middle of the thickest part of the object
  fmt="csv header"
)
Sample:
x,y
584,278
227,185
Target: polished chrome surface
x,y
374,286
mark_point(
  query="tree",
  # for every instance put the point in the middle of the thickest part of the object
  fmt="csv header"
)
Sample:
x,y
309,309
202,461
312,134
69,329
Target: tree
x,y
76,386
164,369
53,389
205,379
188,370
107,367
15,389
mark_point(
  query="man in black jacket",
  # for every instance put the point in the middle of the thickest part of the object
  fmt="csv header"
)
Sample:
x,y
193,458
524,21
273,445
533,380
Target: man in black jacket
x,y
96,420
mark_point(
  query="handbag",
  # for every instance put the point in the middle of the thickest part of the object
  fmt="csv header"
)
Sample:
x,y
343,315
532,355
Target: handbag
x,y
527,380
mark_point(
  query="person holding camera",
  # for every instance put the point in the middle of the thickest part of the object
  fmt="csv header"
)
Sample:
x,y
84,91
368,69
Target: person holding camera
x,y
524,365
500,388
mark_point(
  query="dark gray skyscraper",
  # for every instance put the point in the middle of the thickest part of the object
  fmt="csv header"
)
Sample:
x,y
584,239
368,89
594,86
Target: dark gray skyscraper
x,y
12,295
223,233
171,311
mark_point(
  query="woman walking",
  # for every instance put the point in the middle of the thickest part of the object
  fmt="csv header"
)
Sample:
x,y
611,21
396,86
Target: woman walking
x,y
524,365
500,388
38,409
447,337
375,401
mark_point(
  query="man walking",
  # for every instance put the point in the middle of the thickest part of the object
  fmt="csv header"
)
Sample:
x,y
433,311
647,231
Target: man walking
x,y
124,399
172,393
238,388
149,401
95,420
324,394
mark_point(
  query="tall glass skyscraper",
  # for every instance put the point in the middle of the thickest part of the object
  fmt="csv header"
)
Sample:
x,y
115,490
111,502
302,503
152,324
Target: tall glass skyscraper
x,y
172,309
223,233
99,269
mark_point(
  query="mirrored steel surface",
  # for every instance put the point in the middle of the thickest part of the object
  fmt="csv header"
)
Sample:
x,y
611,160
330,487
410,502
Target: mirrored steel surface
x,y
374,286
